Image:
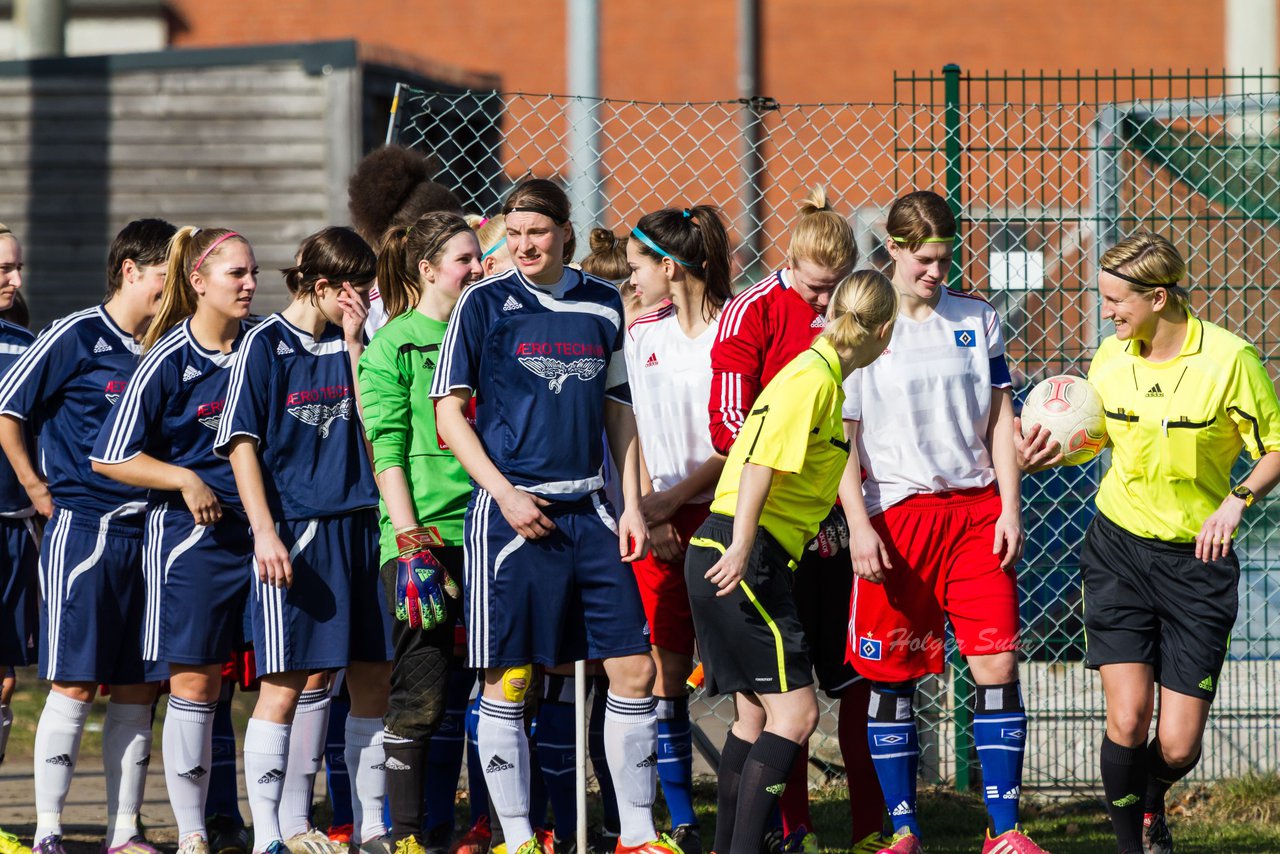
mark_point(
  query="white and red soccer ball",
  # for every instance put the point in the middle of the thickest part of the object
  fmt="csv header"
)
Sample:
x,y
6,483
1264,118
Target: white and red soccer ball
x,y
1071,410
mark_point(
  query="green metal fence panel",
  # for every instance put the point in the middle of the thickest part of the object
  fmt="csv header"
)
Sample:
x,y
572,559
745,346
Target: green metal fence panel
x,y
1044,171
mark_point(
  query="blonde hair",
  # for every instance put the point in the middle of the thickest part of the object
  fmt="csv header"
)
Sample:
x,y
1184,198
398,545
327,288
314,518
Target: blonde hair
x,y
1146,262
822,236
178,299
861,304
490,232
5,231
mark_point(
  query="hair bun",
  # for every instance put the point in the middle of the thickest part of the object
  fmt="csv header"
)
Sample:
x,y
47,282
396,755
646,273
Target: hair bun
x,y
602,240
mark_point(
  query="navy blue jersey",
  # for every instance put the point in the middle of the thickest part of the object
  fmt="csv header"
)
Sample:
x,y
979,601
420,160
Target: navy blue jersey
x,y
296,396
171,411
14,341
65,386
540,363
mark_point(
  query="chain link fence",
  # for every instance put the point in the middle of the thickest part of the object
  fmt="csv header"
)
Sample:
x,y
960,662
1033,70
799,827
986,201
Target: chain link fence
x,y
1044,172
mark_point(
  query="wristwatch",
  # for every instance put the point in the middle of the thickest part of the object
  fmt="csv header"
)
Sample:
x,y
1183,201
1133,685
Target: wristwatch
x,y
1244,493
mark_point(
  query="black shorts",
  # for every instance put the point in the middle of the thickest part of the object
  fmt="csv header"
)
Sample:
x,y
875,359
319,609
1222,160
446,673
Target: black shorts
x,y
823,590
750,641
1153,602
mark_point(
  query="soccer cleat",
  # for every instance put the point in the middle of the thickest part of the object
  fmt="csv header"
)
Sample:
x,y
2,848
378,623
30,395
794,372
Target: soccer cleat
x,y
339,833
903,842
227,836
664,844
771,842
546,838
688,837
476,840
1156,838
136,845
409,845
10,844
1011,842
529,846
193,843
802,840
276,847
313,842
51,845
381,845
870,844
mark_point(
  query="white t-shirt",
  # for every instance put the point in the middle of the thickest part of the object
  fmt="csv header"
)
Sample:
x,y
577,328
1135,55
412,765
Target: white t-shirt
x,y
925,404
670,378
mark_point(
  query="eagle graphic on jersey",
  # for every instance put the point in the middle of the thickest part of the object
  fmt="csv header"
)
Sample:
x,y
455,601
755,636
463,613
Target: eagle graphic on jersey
x,y
555,372
211,421
322,415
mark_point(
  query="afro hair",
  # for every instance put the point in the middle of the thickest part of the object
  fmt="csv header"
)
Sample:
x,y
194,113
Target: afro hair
x,y
392,186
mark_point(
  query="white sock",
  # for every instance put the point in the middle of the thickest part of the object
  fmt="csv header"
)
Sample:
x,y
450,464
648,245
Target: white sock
x,y
631,748
6,724
306,751
187,745
57,748
368,778
504,752
266,754
126,754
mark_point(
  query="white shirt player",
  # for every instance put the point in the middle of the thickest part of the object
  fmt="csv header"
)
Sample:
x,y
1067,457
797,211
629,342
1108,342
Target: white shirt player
x,y
925,404
670,378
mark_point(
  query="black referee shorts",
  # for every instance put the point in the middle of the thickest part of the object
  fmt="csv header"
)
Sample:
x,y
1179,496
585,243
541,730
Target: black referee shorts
x,y
750,641
1153,602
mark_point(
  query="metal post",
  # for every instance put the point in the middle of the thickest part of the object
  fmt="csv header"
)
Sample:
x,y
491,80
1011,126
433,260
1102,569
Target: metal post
x,y
583,66
962,715
41,27
751,121
580,749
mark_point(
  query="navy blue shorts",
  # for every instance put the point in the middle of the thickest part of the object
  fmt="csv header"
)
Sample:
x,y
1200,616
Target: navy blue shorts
x,y
197,585
19,597
561,598
334,612
93,599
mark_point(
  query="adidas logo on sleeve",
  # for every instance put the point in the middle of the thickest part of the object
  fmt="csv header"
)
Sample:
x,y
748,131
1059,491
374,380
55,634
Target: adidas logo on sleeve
x,y
283,349
512,304
191,373
102,346
652,361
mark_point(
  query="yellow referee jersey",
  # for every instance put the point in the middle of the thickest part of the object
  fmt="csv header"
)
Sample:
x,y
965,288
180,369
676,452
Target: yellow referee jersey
x,y
1177,427
795,428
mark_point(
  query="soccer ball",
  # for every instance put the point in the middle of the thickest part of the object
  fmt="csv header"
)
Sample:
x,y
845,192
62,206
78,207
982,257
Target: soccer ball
x,y
1071,410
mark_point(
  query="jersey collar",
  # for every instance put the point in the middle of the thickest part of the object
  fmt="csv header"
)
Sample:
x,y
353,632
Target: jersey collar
x,y
1190,345
125,338
824,348
222,360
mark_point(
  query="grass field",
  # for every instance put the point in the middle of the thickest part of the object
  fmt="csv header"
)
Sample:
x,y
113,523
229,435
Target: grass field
x,y
1235,816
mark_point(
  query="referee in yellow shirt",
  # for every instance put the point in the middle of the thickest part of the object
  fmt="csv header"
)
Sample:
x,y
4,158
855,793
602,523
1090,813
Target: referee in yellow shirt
x,y
778,484
1182,397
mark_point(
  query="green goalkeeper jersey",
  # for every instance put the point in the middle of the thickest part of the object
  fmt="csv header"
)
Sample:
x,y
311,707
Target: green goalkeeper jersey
x,y
395,377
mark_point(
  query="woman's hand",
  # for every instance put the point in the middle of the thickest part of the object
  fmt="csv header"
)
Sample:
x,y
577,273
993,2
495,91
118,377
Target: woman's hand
x,y
664,542
1036,450
1214,540
728,571
869,555
523,512
355,311
633,535
1009,538
658,507
201,501
274,566
38,492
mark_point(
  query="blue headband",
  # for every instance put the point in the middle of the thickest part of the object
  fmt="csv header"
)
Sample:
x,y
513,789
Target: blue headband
x,y
492,249
644,238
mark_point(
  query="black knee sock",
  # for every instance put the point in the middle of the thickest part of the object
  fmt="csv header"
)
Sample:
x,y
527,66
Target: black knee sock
x,y
764,775
1124,782
732,758
406,764
1161,775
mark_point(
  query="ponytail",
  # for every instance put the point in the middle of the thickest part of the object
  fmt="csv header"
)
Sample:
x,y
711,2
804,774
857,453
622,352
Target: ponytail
x,y
695,238
188,248
822,236
403,246
862,303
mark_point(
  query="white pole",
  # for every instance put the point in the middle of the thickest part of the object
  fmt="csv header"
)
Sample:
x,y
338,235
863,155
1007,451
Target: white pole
x,y
580,748
582,66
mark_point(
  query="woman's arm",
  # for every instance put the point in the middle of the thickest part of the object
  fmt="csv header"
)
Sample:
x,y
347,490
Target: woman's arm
x,y
661,506
624,444
753,491
1214,540
274,566
1004,457
147,472
13,440
870,557
521,509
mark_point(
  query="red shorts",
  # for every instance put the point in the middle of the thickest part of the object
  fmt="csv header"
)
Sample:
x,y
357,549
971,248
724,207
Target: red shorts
x,y
942,569
663,591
